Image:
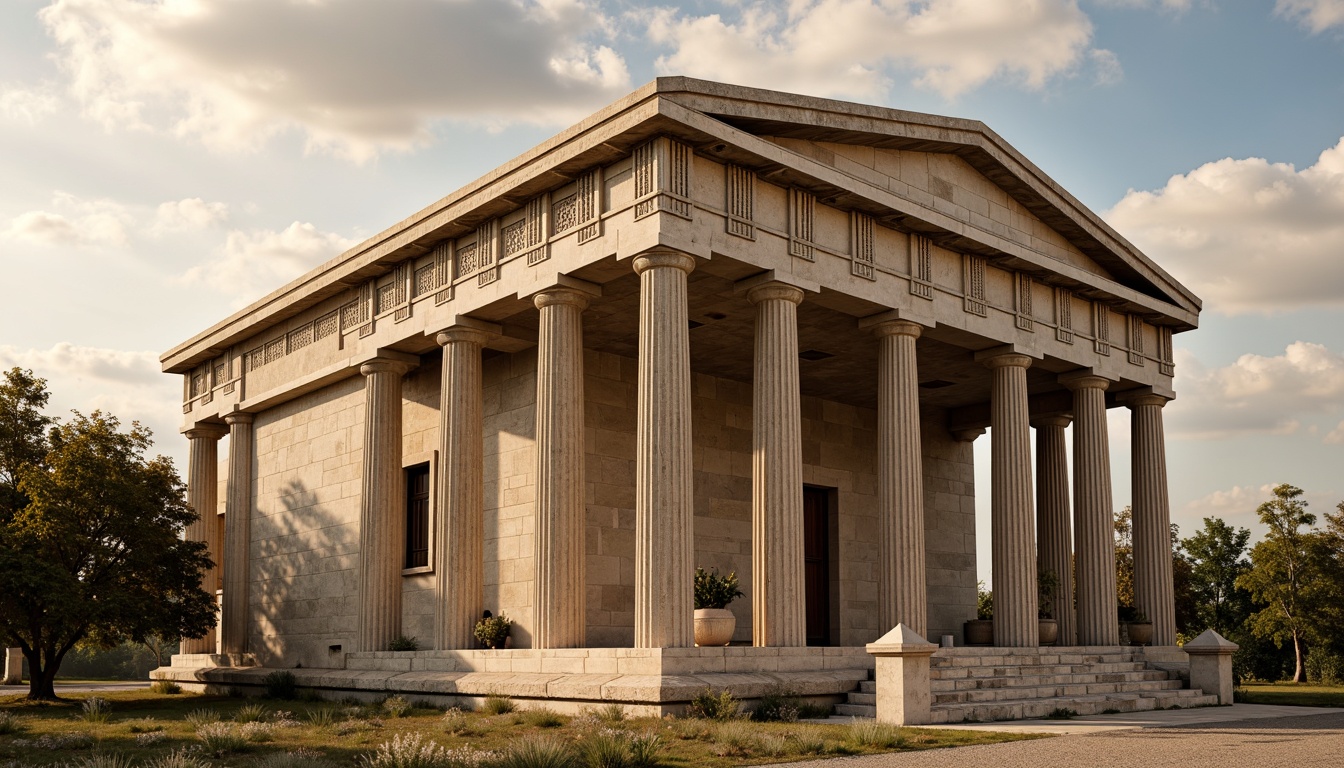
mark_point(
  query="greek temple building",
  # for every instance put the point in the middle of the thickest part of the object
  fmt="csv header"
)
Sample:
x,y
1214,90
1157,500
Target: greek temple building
x,y
707,326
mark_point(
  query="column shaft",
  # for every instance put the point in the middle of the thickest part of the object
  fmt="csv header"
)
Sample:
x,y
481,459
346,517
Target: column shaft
x,y
382,507
559,530
1093,519
902,592
1154,591
664,517
203,497
1054,547
1016,623
237,534
459,567
779,604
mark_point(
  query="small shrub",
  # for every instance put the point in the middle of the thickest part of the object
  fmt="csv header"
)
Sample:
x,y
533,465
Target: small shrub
x,y
407,750
610,713
396,706
353,726
543,718
772,745
404,643
604,748
95,710
320,717
498,705
221,738
736,738
250,713
776,706
713,590
281,684
645,749
9,724
810,711
708,706
1324,667
102,760
144,725
807,742
690,729
875,735
537,753
166,687
256,732
1061,713
456,723
493,631
149,738
199,717
180,758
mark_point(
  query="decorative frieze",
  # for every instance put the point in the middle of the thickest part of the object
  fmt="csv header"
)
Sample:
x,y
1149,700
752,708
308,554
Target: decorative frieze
x,y
487,243
589,202
802,213
1101,328
1022,302
443,271
921,266
662,170
326,325
973,285
741,203
1135,341
1064,315
299,338
861,246
1166,361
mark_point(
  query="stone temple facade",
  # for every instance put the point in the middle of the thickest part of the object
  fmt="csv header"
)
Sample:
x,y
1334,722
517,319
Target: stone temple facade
x,y
707,326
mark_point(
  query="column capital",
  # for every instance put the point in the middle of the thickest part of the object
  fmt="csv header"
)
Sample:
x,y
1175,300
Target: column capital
x,y
664,257
204,430
562,295
895,328
886,318
1004,359
387,361
1058,420
1084,378
775,291
1142,396
461,334
239,417
967,435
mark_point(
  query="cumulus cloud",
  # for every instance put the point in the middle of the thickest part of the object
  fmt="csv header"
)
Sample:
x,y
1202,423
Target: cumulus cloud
x,y
1315,15
1256,394
28,105
1247,235
1166,5
188,214
75,222
856,48
253,263
354,77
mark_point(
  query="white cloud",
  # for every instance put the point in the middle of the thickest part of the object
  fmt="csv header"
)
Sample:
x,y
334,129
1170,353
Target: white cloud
x,y
1237,498
28,105
857,48
1315,15
253,263
76,222
1166,5
1247,235
1256,394
189,214
354,77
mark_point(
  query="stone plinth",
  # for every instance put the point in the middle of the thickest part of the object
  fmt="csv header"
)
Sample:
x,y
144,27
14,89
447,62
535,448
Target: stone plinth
x,y
12,674
1211,665
903,695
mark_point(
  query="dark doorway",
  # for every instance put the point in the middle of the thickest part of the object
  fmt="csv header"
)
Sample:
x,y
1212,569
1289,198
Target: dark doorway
x,y
817,564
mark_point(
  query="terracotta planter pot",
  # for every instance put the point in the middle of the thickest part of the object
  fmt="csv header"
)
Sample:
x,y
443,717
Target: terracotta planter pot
x,y
1140,633
979,632
1049,631
714,626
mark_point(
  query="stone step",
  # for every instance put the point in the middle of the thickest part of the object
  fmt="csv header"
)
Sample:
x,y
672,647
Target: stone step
x,y
1004,681
856,710
1018,692
869,699
1022,709
1024,660
868,686
943,673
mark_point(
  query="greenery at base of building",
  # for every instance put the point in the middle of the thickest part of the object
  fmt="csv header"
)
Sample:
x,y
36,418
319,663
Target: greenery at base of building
x,y
713,590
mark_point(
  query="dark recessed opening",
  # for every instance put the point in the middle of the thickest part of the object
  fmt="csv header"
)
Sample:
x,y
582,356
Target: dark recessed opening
x,y
694,324
715,315
814,355
935,384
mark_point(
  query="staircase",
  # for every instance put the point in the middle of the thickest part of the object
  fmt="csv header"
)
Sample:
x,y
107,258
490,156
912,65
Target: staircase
x,y
981,684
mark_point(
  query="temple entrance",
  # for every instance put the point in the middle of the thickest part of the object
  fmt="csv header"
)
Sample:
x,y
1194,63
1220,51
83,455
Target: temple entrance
x,y
817,564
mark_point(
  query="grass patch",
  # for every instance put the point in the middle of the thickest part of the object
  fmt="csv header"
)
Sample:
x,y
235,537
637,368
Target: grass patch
x,y
1292,694
190,730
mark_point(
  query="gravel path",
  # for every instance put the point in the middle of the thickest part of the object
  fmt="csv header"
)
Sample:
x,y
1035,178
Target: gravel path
x,y
1291,742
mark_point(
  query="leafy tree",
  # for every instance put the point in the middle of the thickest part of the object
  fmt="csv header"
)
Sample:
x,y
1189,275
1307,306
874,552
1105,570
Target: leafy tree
x,y
1218,557
1331,555
1284,574
1124,558
23,429
93,550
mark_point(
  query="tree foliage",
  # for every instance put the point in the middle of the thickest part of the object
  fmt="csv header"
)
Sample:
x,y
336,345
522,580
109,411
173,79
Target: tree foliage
x,y
93,537
1217,556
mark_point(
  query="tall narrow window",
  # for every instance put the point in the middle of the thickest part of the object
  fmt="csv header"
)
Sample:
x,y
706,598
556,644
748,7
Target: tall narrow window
x,y
417,516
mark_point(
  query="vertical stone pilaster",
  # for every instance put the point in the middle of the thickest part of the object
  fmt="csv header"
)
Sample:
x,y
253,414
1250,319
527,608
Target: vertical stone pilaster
x,y
902,592
382,506
203,497
1093,518
664,517
779,605
1054,539
1153,586
459,566
237,534
1016,623
559,530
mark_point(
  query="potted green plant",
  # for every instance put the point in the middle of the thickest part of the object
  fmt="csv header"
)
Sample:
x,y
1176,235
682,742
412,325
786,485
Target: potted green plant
x,y
1140,629
1047,586
493,631
980,630
714,623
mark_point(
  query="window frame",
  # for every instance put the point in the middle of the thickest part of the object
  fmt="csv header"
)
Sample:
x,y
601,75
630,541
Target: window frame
x,y
410,461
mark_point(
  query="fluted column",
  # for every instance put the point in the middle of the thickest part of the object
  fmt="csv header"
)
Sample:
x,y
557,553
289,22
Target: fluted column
x,y
203,497
1093,521
237,534
902,594
1012,519
1054,540
559,535
1154,591
459,567
382,506
779,603
664,517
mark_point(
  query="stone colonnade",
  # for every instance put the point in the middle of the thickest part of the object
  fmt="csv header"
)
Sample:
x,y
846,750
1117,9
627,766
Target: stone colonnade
x,y
664,541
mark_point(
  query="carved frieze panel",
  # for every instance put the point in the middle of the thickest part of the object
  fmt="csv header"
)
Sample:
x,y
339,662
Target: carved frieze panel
x,y
741,203
299,338
862,237
1135,341
662,170
487,245
921,266
589,204
1101,328
1165,356
802,217
326,325
973,285
443,272
1064,315
1022,302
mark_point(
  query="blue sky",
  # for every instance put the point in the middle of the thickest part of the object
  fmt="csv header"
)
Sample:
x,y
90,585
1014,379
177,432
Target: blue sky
x,y
169,161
